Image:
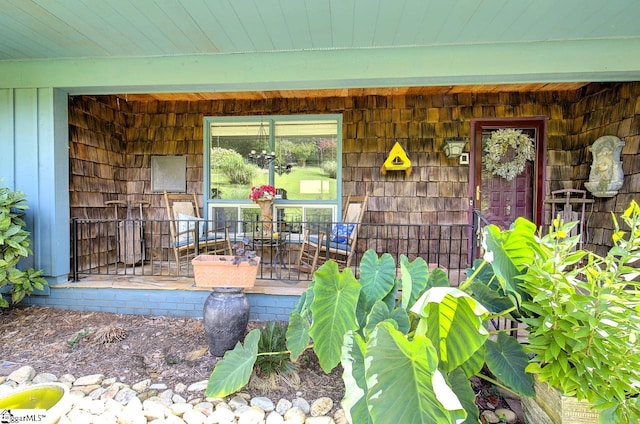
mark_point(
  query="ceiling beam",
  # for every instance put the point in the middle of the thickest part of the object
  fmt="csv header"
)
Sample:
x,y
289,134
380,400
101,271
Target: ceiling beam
x,y
567,61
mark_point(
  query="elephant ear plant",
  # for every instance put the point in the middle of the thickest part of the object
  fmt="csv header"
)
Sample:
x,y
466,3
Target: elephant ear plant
x,y
407,345
581,309
14,245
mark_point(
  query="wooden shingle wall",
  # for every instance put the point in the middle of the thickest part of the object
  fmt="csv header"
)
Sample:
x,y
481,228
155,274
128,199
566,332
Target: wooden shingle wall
x,y
609,109
436,192
96,170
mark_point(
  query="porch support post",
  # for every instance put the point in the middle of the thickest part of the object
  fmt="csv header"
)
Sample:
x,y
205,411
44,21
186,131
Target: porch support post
x,y
35,160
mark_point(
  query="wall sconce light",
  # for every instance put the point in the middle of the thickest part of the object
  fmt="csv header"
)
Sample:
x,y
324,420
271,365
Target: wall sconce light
x,y
453,147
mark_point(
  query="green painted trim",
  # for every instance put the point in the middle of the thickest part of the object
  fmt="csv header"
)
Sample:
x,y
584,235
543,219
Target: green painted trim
x,y
558,61
52,224
26,126
206,166
35,138
7,137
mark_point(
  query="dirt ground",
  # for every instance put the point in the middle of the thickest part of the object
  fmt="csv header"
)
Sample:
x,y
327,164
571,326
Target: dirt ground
x,y
167,350
132,348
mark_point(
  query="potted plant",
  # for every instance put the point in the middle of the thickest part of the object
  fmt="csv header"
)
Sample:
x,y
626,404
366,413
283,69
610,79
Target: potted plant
x,y
263,196
233,271
581,312
226,309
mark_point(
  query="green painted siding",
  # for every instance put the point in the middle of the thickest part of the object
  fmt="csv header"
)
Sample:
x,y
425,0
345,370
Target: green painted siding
x,y
34,160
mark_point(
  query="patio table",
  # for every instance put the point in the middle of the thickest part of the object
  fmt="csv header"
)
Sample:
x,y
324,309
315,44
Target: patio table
x,y
278,246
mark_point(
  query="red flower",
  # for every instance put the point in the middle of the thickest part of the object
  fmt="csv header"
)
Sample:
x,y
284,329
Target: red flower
x,y
264,192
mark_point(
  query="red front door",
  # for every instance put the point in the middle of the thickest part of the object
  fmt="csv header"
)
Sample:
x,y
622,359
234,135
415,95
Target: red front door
x,y
500,201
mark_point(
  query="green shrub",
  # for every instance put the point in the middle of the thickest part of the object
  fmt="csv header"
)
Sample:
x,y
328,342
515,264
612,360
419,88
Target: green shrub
x,y
241,173
14,245
330,168
273,344
304,151
580,308
585,324
232,165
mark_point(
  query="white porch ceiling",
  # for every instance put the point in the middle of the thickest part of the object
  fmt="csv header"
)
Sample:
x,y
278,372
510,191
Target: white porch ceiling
x,y
212,49
53,29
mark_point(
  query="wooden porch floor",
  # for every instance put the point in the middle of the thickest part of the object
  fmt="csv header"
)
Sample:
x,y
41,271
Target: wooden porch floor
x,y
273,287
162,275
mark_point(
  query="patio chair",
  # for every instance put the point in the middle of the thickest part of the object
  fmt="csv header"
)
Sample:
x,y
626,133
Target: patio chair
x,y
570,205
184,218
340,244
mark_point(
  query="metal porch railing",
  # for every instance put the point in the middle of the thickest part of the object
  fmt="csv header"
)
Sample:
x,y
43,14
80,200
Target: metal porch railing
x,y
134,247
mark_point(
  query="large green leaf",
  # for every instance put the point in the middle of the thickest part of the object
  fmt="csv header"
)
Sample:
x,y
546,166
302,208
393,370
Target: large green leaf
x,y
403,381
401,317
377,276
438,278
406,281
507,360
414,276
306,299
510,252
233,371
453,321
355,391
483,274
491,299
473,365
361,312
297,335
461,386
301,303
334,312
380,312
391,299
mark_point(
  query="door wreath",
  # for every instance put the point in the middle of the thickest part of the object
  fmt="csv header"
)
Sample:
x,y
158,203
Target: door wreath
x,y
497,146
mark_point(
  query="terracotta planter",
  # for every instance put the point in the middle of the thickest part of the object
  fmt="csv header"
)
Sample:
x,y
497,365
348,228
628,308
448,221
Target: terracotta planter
x,y
550,406
219,271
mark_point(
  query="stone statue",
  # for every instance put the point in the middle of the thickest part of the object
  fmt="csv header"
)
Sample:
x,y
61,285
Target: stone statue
x,y
606,176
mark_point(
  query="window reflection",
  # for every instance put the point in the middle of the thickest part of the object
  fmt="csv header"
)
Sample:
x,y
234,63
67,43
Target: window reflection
x,y
298,157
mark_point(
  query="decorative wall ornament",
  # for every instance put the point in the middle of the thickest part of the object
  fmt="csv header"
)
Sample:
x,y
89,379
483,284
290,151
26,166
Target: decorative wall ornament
x,y
396,161
497,147
606,176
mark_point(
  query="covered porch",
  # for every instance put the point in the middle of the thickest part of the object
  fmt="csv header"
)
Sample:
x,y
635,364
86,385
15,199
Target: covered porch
x,y
153,284
429,213
81,120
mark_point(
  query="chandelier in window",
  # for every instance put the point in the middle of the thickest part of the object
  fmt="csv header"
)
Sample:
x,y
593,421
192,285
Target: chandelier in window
x,y
263,159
